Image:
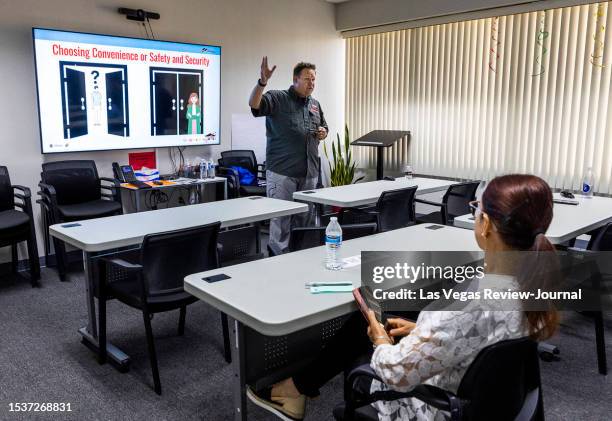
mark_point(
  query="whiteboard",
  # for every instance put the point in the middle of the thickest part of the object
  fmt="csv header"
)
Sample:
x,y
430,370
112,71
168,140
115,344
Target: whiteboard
x,y
249,132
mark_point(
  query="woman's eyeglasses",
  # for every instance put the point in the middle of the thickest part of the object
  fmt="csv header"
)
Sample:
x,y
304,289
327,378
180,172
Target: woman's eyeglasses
x,y
474,207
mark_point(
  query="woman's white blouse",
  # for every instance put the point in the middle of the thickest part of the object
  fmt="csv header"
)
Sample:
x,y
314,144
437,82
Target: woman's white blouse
x,y
440,349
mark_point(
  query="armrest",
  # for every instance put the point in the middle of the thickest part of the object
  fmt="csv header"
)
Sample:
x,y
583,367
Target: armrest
x,y
432,395
113,187
363,370
113,181
26,191
227,171
47,188
429,202
261,169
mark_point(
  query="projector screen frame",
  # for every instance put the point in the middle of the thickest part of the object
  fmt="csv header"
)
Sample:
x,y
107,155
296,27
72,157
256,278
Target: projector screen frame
x,y
171,145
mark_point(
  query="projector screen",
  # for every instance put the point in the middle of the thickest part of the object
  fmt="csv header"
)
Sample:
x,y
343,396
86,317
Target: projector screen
x,y
100,92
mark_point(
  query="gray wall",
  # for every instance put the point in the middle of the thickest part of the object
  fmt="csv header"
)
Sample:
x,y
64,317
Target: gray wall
x,y
286,30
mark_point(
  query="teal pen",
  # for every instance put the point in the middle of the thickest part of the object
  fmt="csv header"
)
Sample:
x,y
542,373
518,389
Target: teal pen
x,y
327,284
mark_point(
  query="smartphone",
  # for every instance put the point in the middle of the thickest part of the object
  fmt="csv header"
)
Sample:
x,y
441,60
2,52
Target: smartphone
x,y
366,301
361,303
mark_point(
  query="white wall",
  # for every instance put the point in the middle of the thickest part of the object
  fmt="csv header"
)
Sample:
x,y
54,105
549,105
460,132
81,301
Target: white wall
x,y
286,30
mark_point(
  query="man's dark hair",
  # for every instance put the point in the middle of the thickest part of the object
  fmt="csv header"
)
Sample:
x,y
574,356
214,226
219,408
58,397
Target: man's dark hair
x,y
301,66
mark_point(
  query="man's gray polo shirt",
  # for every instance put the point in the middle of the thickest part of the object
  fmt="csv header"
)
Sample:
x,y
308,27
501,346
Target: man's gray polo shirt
x,y
292,147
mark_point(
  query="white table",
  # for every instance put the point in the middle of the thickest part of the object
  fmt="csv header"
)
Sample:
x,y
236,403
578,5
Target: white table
x,y
101,236
360,194
569,221
269,295
188,183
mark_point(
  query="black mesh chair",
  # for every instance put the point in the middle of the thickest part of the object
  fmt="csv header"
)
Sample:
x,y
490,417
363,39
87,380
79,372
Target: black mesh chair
x,y
73,191
18,225
601,240
154,283
502,383
394,209
247,160
454,203
306,237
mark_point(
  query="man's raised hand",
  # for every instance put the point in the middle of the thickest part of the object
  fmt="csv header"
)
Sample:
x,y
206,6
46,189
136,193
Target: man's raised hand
x,y
266,72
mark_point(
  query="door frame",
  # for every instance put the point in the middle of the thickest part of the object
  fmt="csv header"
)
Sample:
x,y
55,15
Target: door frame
x,y
175,71
126,109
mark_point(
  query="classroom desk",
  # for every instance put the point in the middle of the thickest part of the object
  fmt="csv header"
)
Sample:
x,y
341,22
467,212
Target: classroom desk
x,y
262,295
188,183
103,236
569,221
360,194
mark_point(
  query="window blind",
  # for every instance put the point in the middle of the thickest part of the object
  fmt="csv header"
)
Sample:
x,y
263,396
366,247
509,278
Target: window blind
x,y
519,93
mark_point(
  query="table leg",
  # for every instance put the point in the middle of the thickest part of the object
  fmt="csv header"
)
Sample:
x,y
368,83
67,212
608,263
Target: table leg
x,y
225,189
239,370
137,193
318,211
258,237
89,334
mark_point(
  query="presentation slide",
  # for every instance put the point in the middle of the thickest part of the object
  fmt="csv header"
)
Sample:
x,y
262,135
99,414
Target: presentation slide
x,y
100,92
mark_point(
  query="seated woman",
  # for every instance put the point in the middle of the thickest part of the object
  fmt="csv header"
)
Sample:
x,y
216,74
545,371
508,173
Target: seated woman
x,y
513,214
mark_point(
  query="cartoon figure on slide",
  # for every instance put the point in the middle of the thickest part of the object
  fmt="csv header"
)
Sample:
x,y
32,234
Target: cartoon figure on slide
x,y
194,114
96,101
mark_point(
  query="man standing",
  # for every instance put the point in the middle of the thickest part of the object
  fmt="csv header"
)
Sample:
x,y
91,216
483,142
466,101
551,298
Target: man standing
x,y
294,127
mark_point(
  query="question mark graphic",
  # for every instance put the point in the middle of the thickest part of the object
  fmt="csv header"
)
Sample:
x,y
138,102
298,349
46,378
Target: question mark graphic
x,y
96,75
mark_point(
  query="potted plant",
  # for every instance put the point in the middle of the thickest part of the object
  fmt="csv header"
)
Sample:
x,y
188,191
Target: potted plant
x,y
342,171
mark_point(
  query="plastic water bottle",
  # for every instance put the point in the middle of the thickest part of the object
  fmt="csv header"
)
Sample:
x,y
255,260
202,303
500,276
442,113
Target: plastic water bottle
x,y
202,169
333,243
211,170
587,183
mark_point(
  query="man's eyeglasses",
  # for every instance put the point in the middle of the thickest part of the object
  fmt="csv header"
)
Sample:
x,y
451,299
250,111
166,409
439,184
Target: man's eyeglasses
x,y
474,207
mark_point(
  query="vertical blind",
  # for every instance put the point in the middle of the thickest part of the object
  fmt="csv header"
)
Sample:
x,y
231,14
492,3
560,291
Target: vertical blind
x,y
520,93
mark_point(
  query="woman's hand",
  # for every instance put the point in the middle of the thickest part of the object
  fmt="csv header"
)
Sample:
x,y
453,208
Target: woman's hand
x,y
376,331
399,327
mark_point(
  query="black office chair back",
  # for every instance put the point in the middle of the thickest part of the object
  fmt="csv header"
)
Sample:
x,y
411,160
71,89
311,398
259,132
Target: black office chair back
x,y
7,198
74,181
602,240
307,237
168,257
239,158
396,209
503,381
457,198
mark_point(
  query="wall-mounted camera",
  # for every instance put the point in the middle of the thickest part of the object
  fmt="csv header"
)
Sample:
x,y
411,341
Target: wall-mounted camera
x,y
138,15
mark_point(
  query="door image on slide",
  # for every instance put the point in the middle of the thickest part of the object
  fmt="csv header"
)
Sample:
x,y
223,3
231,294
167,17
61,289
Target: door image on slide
x,y
94,99
170,108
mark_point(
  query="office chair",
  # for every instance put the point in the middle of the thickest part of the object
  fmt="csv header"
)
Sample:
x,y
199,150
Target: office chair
x,y
233,181
454,203
307,237
502,383
394,209
246,159
154,283
73,191
601,240
18,225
